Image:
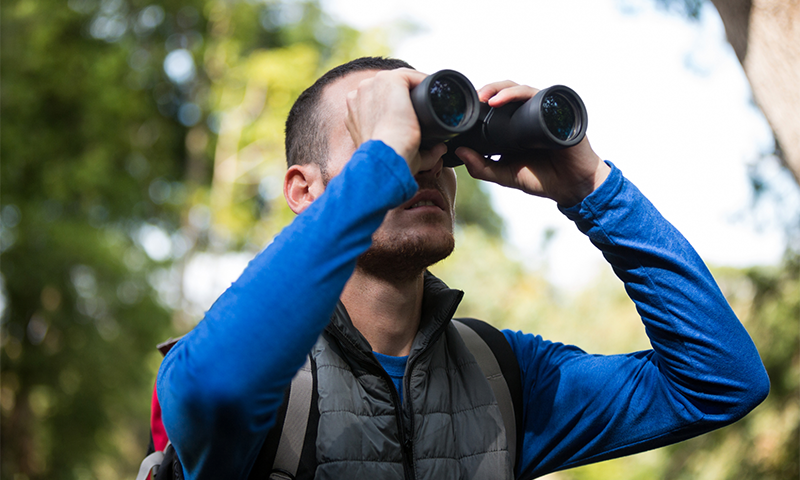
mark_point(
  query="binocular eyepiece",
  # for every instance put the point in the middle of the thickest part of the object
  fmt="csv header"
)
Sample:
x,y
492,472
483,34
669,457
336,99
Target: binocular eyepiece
x,y
448,110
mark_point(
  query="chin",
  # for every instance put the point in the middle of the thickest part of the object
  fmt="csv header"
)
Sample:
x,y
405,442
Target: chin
x,y
405,257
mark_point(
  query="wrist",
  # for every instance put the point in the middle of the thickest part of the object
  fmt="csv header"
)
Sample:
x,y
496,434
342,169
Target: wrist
x,y
404,141
583,189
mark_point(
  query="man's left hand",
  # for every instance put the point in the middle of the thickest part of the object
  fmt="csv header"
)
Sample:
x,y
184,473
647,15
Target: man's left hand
x,y
566,176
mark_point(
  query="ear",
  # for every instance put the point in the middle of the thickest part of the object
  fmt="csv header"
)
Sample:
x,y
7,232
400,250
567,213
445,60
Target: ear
x,y
302,185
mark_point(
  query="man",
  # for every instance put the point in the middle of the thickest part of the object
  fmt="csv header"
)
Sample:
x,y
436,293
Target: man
x,y
399,395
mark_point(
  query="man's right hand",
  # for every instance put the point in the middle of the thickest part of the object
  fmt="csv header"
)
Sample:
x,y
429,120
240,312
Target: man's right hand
x,y
380,109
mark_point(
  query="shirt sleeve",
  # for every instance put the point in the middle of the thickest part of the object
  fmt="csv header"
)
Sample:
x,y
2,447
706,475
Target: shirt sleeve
x,y
703,371
221,385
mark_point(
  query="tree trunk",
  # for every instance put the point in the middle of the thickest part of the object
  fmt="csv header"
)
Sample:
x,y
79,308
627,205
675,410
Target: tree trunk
x,y
765,34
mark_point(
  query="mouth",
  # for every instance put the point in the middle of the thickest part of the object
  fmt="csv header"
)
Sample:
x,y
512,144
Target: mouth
x,y
424,203
426,198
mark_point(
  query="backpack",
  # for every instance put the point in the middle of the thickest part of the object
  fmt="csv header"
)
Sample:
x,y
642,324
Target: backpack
x,y
287,447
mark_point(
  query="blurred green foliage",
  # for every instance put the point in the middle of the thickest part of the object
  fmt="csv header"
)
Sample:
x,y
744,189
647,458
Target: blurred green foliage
x,y
81,150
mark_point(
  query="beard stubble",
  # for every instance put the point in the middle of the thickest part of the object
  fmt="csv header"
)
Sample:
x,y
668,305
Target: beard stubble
x,y
404,257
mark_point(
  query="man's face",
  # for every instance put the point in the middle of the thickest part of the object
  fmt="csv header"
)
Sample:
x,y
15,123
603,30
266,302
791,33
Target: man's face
x,y
414,235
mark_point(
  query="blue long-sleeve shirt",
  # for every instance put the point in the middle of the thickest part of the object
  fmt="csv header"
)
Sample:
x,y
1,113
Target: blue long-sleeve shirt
x,y
221,386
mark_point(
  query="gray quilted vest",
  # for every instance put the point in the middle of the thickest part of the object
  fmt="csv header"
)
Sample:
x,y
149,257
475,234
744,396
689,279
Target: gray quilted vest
x,y
449,425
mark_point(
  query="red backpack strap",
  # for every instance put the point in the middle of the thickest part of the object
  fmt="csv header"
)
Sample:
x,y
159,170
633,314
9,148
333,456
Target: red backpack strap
x,y
157,429
158,442
159,452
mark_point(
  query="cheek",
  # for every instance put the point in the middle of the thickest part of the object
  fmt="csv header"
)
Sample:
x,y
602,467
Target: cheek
x,y
449,185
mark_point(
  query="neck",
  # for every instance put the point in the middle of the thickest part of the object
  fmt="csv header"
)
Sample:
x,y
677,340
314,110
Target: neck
x,y
386,312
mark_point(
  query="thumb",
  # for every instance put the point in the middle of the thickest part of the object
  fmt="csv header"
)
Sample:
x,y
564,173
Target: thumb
x,y
477,166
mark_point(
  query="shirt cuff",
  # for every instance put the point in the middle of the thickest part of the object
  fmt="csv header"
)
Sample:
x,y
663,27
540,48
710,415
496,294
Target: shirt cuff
x,y
598,201
394,165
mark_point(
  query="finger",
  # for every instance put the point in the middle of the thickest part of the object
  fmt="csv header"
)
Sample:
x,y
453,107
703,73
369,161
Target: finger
x,y
513,93
477,166
488,91
351,120
413,77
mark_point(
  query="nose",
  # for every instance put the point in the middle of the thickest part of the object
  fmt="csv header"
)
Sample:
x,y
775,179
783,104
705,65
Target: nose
x,y
432,162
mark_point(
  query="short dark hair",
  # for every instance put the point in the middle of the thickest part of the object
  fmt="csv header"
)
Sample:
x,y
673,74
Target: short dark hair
x,y
306,132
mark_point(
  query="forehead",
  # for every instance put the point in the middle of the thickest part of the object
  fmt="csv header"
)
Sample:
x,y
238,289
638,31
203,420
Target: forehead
x,y
335,94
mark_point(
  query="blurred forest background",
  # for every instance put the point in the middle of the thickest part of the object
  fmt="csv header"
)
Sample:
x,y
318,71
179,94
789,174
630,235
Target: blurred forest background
x,y
143,139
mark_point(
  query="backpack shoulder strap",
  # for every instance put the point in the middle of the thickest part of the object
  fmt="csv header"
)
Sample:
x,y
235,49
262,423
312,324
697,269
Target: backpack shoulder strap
x,y
150,462
499,364
289,451
295,422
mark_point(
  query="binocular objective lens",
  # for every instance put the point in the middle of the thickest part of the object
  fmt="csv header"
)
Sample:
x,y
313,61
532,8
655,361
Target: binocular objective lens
x,y
448,101
559,116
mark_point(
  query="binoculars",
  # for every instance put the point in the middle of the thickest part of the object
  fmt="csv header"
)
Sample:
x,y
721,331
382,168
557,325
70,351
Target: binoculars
x,y
448,110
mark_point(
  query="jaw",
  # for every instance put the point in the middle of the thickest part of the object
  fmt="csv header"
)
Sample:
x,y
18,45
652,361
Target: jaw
x,y
403,255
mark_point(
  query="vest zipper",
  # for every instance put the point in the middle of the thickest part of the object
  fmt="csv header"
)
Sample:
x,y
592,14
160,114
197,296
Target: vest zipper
x,y
406,451
410,411
412,360
406,429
